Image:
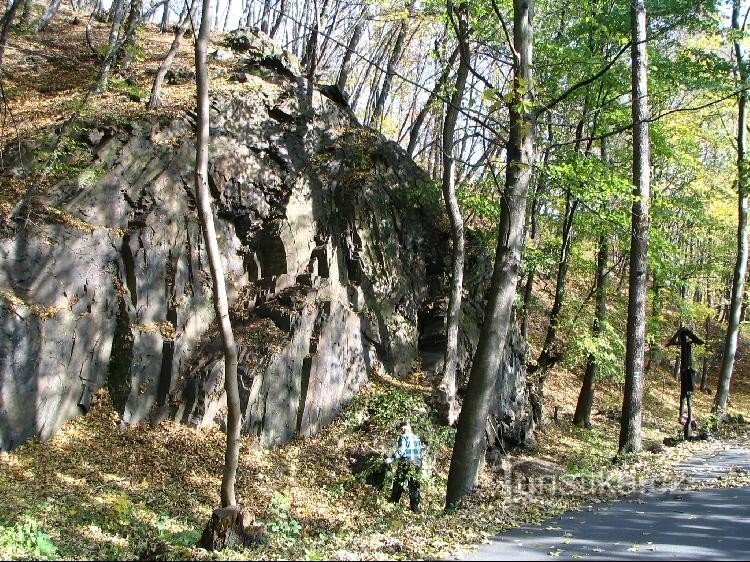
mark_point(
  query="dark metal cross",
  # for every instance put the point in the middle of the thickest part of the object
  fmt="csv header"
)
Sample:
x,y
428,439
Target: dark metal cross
x,y
685,338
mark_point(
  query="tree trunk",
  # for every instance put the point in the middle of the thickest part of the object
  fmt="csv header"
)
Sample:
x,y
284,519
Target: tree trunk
x,y
154,100
49,13
448,385
265,16
279,18
390,71
113,45
331,18
436,91
27,13
582,414
130,41
550,354
164,26
471,441
350,49
740,266
7,21
225,23
630,425
530,232
231,457
310,60
706,357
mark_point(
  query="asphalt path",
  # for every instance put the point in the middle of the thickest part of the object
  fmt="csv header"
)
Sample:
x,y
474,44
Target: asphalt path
x,y
707,524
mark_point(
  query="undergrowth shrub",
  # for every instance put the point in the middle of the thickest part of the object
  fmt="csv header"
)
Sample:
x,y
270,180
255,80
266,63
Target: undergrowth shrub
x,y
281,524
26,539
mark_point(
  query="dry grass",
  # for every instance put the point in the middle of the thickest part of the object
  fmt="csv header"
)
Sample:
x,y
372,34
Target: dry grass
x,y
103,493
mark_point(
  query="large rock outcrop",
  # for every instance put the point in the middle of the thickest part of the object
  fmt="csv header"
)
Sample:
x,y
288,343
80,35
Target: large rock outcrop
x,y
336,256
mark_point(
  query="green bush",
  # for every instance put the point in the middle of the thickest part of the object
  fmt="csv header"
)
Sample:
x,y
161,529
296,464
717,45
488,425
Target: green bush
x,y
281,524
26,539
129,88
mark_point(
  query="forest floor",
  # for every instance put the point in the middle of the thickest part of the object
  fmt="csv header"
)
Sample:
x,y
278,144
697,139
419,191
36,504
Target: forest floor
x,y
94,492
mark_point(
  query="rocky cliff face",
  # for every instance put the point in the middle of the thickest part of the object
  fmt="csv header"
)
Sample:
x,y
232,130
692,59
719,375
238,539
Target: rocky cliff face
x,y
335,259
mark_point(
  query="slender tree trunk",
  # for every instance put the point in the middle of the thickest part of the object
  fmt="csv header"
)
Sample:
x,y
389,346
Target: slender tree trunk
x,y
740,266
311,56
231,458
228,11
215,21
154,100
331,18
530,234
380,50
26,13
582,414
164,26
48,15
130,41
350,49
471,441
448,385
436,91
7,22
390,71
279,18
549,354
265,16
706,356
113,45
630,426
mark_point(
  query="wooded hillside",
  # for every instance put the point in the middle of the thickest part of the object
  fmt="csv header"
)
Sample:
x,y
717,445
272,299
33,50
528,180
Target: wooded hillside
x,y
488,218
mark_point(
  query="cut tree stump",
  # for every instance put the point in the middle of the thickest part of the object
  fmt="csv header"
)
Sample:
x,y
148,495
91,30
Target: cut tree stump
x,y
231,526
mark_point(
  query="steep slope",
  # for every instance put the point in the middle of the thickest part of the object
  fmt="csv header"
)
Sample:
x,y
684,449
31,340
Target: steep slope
x,y
336,258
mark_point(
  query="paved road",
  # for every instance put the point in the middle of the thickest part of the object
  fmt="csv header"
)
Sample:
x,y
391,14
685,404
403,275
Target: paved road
x,y
699,525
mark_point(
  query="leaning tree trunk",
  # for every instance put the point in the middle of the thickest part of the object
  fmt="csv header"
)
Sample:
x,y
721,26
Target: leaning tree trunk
x,y
448,385
471,441
279,19
6,22
113,46
550,355
437,90
225,24
390,71
231,458
582,415
126,51
740,266
630,424
164,26
154,100
48,15
350,50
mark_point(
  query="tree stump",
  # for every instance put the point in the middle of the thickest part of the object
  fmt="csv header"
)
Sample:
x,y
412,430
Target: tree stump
x,y
231,526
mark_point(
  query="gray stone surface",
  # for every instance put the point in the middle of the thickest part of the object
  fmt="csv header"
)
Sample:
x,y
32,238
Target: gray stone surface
x,y
335,251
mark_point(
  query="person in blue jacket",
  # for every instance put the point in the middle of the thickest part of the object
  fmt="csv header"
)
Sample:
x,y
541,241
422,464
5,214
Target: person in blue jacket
x,y
408,455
